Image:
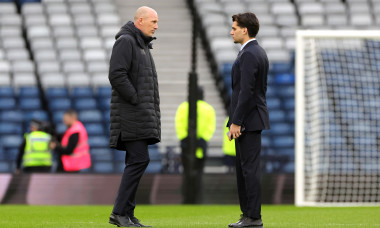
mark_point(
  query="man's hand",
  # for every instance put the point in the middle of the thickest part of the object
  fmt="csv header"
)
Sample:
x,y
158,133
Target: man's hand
x,y
234,132
52,145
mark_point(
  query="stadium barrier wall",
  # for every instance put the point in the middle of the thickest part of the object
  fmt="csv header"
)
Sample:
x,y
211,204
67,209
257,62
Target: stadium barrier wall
x,y
100,189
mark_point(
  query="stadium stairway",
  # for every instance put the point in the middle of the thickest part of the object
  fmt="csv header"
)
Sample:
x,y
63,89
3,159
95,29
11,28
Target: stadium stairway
x,y
172,54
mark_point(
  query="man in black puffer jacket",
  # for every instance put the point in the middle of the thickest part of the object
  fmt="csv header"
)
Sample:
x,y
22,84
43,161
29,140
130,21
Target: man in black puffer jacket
x,y
135,110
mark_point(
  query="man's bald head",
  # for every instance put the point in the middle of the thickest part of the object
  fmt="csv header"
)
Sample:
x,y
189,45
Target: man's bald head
x,y
146,20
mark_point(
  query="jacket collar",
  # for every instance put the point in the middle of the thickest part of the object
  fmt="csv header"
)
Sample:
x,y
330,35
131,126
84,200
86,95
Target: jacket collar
x,y
142,40
250,43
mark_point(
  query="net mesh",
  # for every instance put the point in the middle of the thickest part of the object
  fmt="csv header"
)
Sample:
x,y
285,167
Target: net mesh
x,y
342,120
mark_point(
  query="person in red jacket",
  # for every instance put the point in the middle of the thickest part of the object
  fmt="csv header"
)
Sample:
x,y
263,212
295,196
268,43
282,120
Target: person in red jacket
x,y
74,150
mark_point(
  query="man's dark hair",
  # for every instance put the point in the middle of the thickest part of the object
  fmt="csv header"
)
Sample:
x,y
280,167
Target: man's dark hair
x,y
71,112
249,21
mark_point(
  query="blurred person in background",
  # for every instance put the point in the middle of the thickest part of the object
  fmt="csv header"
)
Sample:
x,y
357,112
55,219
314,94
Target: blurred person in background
x,y
35,152
73,151
135,108
228,149
248,115
192,181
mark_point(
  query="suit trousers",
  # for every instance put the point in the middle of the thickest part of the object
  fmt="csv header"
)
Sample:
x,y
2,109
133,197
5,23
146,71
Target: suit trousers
x,y
136,161
248,147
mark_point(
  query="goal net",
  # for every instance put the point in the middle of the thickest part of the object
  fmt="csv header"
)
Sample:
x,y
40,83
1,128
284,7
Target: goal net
x,y
337,118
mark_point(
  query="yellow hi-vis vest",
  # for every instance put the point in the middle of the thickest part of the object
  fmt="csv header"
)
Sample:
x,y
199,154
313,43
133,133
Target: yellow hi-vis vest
x,y
205,122
37,152
228,146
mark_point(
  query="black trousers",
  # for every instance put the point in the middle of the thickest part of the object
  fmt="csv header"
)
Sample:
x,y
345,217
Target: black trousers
x,y
136,161
248,147
37,169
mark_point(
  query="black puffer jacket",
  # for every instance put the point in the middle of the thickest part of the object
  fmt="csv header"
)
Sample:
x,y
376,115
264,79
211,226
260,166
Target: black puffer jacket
x,y
135,102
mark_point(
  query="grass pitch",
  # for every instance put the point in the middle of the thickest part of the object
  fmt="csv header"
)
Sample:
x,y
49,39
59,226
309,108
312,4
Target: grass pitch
x,y
188,216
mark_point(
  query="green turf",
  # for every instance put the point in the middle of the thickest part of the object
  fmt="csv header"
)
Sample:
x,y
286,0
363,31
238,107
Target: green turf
x,y
188,216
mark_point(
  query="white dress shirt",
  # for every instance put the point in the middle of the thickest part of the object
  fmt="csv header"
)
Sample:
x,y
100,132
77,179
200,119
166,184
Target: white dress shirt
x,y
242,46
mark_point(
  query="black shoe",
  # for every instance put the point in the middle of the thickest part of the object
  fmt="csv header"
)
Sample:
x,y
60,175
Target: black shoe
x,y
242,217
122,221
136,221
246,221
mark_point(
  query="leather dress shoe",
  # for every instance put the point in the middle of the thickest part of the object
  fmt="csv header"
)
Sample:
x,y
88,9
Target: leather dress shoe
x,y
136,221
248,222
122,221
242,217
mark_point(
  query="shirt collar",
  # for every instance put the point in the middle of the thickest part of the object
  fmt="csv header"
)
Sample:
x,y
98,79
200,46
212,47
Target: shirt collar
x,y
242,46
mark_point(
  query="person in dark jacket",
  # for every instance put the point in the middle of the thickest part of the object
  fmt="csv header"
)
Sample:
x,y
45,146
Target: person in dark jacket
x,y
248,115
135,107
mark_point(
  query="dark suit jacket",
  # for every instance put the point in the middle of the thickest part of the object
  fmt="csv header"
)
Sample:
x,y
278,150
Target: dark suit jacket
x,y
249,84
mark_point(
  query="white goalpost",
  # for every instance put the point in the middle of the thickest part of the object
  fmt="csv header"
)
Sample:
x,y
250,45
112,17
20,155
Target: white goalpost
x,y
337,118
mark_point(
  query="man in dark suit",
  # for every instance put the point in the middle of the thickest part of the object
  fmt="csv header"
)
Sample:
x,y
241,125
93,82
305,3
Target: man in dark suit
x,y
248,115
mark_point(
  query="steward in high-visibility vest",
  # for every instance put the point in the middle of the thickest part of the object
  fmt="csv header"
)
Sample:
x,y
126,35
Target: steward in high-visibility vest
x,y
193,168
228,146
74,148
229,149
205,123
37,152
34,152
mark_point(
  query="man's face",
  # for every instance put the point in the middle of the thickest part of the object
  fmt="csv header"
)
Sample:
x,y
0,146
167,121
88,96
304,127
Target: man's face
x,y
149,24
237,33
68,119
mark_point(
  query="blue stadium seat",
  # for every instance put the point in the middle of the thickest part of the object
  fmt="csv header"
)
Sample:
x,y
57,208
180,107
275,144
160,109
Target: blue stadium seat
x,y
29,92
104,103
284,79
57,92
58,116
101,154
59,104
282,128
283,141
12,154
103,92
90,116
94,129
7,128
98,142
280,67
290,116
106,116
154,167
103,167
60,128
119,155
6,91
276,116
289,168
37,114
82,92
273,103
85,104
11,141
289,104
11,116
4,167
154,154
266,141
7,103
287,91
30,104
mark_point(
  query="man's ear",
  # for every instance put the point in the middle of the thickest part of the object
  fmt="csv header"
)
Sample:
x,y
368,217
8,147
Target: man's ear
x,y
140,20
